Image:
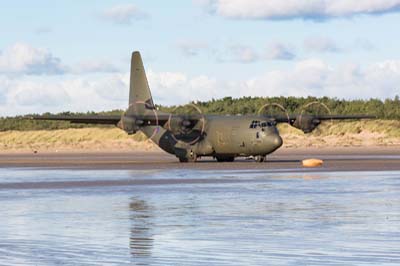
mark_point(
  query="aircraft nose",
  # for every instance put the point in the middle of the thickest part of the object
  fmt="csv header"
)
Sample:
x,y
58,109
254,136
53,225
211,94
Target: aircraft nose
x,y
277,141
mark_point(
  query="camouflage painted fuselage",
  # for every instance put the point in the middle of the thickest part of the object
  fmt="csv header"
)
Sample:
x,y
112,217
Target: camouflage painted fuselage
x,y
221,137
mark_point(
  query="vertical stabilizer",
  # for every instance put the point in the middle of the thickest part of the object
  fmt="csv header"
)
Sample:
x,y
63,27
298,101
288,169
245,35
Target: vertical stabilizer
x,y
139,92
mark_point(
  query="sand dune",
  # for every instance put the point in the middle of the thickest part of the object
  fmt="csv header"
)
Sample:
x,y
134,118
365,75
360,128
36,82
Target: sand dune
x,y
335,134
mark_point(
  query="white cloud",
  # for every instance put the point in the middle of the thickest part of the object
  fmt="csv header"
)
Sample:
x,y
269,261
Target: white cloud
x,y
30,93
239,53
393,66
246,54
114,87
93,66
363,44
177,88
320,44
191,47
243,54
123,14
22,58
315,77
303,9
308,77
4,87
279,51
235,53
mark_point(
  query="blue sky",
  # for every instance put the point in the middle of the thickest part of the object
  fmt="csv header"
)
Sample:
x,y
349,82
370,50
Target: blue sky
x,y
74,55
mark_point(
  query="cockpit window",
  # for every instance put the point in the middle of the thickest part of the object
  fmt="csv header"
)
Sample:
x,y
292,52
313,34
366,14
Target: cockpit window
x,y
255,124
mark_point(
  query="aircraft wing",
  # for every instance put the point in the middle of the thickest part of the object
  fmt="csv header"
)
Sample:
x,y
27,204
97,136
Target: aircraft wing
x,y
293,118
343,117
90,119
307,123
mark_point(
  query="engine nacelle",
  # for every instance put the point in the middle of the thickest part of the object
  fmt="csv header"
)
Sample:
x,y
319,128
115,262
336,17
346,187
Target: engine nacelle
x,y
129,124
306,123
179,125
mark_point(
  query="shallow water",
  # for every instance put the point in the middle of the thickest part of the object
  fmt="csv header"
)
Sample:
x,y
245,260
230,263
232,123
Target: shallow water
x,y
199,218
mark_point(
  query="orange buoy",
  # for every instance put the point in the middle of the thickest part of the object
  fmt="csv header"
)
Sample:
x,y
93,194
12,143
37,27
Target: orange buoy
x,y
312,162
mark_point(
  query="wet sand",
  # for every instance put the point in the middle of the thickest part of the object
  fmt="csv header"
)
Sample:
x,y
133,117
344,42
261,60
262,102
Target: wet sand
x,y
148,209
195,217
284,160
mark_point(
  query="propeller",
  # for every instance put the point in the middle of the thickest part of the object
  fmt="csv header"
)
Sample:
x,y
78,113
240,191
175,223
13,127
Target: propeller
x,y
188,128
308,122
310,117
132,123
271,114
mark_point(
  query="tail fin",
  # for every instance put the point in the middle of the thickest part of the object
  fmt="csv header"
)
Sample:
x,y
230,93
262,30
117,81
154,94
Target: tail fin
x,y
139,92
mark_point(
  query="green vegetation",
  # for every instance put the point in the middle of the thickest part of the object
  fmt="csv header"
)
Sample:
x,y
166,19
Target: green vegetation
x,y
25,123
387,109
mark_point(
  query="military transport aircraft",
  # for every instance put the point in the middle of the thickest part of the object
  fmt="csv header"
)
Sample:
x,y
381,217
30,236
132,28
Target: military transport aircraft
x,y
190,136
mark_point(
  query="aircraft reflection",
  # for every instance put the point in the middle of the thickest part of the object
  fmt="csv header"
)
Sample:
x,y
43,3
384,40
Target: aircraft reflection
x,y
141,238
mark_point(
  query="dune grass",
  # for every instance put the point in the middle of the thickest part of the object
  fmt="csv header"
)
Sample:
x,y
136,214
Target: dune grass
x,y
390,128
348,133
90,139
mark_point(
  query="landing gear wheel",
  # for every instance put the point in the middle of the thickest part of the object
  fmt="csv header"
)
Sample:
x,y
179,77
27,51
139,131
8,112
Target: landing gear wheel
x,y
191,158
183,160
259,158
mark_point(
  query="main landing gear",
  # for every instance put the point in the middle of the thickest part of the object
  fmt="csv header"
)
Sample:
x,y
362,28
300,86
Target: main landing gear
x,y
190,158
225,158
259,158
187,160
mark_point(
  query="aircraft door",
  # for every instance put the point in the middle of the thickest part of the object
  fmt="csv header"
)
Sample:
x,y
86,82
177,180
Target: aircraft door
x,y
238,141
256,138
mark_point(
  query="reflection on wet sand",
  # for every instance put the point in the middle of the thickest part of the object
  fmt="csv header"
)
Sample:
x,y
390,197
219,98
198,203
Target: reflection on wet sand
x,y
313,177
199,218
307,176
141,238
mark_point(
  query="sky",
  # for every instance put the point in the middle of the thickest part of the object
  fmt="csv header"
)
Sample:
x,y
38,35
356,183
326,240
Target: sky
x,y
74,55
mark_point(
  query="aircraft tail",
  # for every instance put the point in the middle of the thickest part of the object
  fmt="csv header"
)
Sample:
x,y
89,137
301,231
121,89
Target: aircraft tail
x,y
140,98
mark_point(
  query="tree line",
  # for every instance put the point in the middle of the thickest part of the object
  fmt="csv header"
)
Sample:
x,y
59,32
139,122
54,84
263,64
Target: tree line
x,y
383,109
